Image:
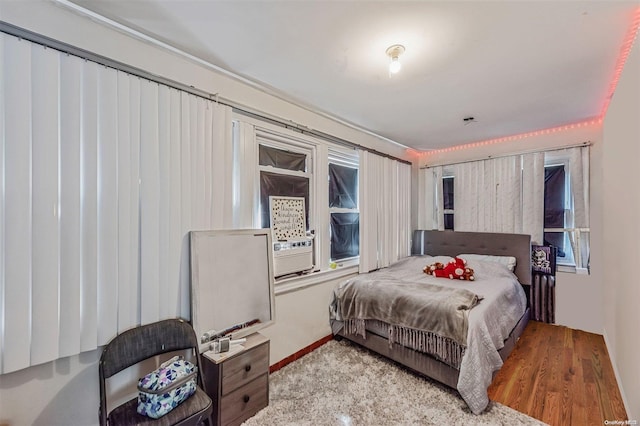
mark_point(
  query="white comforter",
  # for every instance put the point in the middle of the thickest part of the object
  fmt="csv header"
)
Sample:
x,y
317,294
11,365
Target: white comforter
x,y
490,322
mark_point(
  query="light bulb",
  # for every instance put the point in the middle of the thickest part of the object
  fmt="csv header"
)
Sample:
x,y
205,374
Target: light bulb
x,y
395,65
394,53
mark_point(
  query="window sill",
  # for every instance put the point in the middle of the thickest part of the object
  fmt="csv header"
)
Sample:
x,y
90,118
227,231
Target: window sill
x,y
289,284
571,269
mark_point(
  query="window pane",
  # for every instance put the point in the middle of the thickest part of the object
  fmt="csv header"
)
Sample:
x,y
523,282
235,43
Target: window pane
x,y
269,156
561,241
283,185
343,187
345,235
554,184
448,221
447,195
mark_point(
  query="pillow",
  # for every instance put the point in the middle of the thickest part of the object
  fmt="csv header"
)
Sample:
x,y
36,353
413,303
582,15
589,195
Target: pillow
x,y
441,259
508,261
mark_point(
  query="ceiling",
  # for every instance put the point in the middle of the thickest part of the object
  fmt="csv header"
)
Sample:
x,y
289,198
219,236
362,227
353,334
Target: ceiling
x,y
515,66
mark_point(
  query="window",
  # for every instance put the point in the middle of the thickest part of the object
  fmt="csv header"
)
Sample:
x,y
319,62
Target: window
x,y
558,217
343,206
566,206
447,197
287,164
283,172
556,207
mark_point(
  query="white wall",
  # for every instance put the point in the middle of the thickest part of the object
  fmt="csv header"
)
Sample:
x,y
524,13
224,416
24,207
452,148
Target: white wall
x,y
578,297
65,392
302,318
621,242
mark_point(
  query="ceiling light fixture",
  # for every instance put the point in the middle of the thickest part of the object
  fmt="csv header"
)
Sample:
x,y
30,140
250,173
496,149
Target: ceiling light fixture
x,y
394,53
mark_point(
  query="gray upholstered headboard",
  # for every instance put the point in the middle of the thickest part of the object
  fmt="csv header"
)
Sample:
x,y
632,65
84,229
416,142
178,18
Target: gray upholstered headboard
x,y
452,243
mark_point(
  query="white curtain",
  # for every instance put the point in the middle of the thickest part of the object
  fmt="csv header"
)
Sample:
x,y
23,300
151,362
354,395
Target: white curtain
x,y
104,174
498,195
533,196
385,211
578,217
471,196
488,195
368,179
246,177
431,214
404,209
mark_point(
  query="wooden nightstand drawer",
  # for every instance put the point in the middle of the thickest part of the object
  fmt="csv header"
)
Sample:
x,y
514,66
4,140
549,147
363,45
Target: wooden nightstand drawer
x,y
244,368
238,383
243,403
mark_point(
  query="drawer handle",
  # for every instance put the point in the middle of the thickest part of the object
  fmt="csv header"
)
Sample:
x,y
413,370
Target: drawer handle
x,y
246,398
247,368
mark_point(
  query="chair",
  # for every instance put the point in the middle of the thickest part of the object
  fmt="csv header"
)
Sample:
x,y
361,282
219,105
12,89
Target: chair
x,y
139,344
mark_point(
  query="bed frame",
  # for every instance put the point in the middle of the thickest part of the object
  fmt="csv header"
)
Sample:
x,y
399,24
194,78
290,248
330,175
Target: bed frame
x,y
450,243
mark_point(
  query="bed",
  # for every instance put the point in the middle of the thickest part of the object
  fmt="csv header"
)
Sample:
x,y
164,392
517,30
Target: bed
x,y
495,318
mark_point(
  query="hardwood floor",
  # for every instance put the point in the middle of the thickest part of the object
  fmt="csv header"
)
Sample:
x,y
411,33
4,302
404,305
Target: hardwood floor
x,y
560,376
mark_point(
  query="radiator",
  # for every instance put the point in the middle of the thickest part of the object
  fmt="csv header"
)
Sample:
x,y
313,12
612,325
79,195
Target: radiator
x,y
543,298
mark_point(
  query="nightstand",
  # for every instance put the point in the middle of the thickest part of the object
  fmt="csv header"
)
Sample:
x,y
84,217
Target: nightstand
x,y
238,384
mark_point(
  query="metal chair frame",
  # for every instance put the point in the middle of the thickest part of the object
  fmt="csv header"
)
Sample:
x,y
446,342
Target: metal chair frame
x,y
147,341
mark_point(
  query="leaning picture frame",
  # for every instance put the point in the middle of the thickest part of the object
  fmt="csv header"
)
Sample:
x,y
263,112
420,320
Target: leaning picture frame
x,y
543,259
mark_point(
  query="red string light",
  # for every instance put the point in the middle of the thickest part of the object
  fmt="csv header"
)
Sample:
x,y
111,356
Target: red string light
x,y
622,59
592,122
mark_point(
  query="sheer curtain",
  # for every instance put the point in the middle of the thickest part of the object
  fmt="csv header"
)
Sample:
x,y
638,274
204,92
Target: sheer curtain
x,y
578,215
103,174
533,196
404,209
471,196
501,195
488,195
385,211
431,214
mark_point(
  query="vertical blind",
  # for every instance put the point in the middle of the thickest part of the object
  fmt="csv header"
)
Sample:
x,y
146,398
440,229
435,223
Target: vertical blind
x,y
488,195
385,190
103,174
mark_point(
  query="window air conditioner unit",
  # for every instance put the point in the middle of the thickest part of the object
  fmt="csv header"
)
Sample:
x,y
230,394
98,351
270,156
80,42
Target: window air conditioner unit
x,y
292,256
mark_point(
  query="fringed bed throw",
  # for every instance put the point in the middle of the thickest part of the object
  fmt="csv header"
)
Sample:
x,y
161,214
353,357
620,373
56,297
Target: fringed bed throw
x,y
442,348
426,317
419,306
356,327
446,350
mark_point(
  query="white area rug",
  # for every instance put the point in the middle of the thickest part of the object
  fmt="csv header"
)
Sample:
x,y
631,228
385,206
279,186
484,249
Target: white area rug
x,y
343,384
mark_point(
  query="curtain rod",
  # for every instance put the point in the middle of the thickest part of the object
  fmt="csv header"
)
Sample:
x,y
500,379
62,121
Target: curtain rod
x,y
531,151
311,132
48,42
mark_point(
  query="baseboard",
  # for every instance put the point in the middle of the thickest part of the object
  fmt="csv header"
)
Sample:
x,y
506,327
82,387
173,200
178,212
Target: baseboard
x,y
302,352
617,374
